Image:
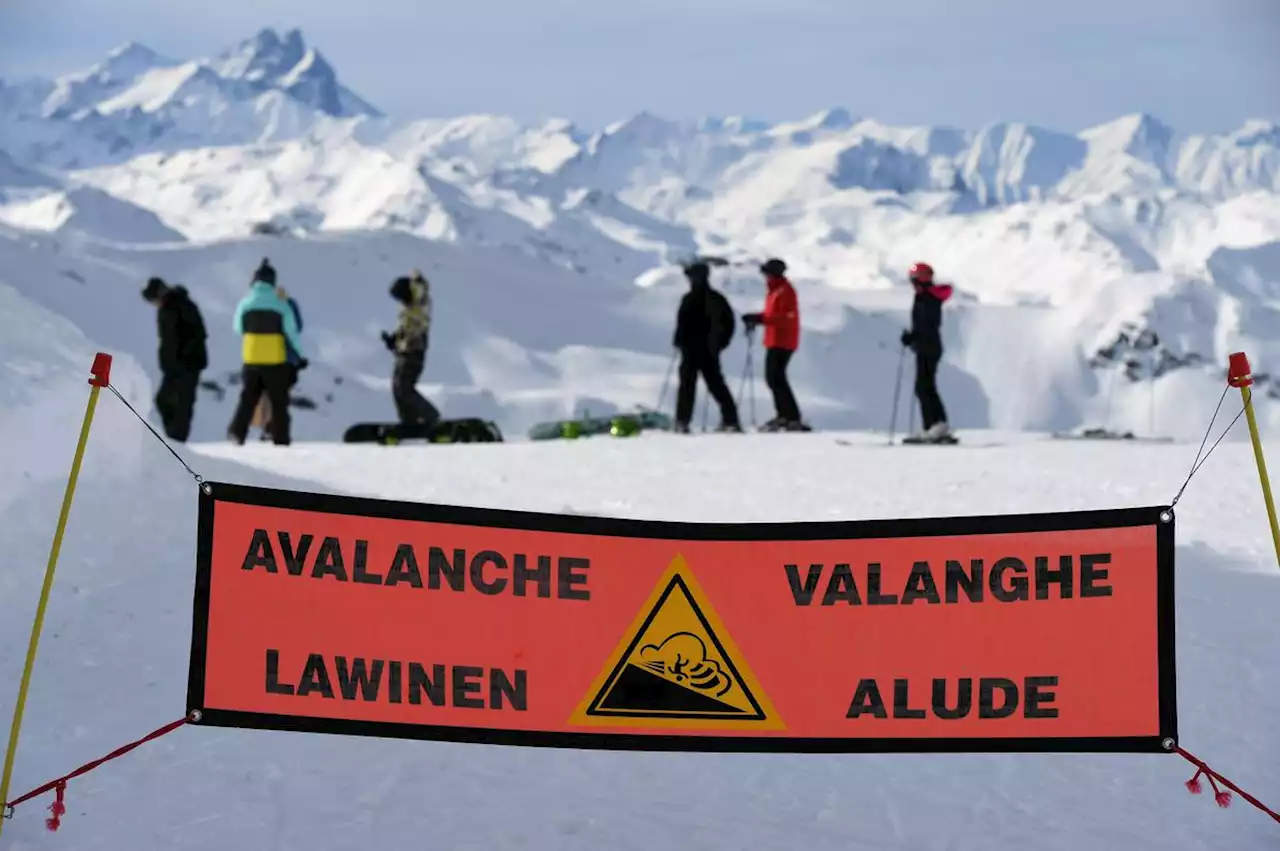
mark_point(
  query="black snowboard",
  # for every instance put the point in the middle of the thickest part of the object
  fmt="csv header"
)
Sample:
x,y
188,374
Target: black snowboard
x,y
465,430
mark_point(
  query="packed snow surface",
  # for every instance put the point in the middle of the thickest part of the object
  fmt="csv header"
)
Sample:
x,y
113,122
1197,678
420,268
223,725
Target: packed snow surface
x,y
114,660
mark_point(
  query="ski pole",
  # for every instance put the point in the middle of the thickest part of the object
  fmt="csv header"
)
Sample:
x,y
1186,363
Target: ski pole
x,y
897,392
1151,383
1106,416
666,381
911,418
747,391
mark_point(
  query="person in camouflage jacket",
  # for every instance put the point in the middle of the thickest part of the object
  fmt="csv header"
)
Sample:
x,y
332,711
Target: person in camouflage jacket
x,y
409,342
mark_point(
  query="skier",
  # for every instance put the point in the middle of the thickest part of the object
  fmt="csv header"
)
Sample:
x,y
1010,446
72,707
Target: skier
x,y
925,339
269,331
409,344
183,355
704,327
781,321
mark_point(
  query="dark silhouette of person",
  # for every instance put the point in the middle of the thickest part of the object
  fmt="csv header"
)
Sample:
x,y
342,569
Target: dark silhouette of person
x,y
704,328
182,353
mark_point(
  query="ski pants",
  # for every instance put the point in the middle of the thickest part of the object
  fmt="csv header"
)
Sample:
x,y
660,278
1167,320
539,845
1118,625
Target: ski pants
x,y
931,409
293,380
274,381
176,402
693,363
411,406
775,376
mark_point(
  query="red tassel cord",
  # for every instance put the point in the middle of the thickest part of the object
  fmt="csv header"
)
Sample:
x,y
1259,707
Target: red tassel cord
x,y
59,786
1221,797
58,807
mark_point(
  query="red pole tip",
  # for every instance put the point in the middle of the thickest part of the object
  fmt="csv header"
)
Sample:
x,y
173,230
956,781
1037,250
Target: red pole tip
x,y
101,370
1239,373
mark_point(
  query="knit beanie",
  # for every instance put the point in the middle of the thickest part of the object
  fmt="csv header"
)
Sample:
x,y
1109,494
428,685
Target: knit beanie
x,y
266,273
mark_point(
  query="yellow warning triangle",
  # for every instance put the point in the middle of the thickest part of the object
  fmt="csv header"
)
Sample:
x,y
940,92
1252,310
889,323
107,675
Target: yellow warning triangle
x,y
677,667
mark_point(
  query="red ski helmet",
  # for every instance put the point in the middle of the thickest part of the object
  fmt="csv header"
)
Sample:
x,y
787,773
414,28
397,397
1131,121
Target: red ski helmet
x,y
920,273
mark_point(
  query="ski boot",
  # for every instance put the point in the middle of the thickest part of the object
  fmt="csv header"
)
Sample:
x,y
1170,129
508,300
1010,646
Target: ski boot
x,y
938,433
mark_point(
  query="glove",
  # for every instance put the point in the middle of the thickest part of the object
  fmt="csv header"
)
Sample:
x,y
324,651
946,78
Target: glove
x,y
303,363
390,340
752,320
906,338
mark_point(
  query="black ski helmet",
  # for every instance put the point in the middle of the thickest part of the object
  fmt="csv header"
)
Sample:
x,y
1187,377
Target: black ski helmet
x,y
698,272
774,268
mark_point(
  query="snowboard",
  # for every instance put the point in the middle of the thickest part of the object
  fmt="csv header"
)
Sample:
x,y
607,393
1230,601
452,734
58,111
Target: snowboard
x,y
618,425
461,430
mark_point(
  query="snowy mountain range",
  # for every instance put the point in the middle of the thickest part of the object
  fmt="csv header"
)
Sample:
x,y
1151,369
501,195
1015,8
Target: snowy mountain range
x,y
552,248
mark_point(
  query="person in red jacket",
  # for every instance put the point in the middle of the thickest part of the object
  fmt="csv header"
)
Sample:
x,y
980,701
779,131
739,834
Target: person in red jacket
x,y
781,321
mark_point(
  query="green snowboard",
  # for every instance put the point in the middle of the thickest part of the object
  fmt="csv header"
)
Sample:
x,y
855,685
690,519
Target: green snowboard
x,y
618,425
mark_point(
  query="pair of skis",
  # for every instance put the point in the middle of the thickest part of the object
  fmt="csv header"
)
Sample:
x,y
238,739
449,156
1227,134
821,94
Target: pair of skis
x,y
912,440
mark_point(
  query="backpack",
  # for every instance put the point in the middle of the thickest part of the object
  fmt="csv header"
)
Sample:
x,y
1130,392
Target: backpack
x,y
723,320
293,306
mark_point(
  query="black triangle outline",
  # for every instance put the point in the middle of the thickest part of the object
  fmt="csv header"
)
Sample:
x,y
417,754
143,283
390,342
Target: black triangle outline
x,y
594,709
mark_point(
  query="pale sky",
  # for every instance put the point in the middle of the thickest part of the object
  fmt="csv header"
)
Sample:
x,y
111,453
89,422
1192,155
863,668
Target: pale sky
x,y
1200,65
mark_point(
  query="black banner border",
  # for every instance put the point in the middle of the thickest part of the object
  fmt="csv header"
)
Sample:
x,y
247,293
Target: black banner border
x,y
1161,517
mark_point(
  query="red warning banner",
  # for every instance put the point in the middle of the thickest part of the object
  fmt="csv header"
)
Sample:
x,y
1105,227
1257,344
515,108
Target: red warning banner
x,y
1043,632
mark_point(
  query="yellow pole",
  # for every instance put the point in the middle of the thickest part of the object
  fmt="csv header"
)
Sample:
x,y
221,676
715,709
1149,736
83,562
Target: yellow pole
x,y
1240,374
101,371
1262,468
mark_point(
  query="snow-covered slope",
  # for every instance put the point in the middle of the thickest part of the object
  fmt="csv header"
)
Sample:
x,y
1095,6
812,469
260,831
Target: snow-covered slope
x,y
1064,246
119,623
43,378
35,200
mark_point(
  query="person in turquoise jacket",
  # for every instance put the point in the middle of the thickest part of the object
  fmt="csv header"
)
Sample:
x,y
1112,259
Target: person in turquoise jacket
x,y
268,329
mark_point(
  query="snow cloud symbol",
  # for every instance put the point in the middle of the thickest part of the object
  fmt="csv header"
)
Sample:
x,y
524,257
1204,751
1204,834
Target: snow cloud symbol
x,y
683,658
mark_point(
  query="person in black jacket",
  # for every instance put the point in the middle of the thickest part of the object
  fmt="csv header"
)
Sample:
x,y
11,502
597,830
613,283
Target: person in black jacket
x,y
183,355
925,338
704,328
